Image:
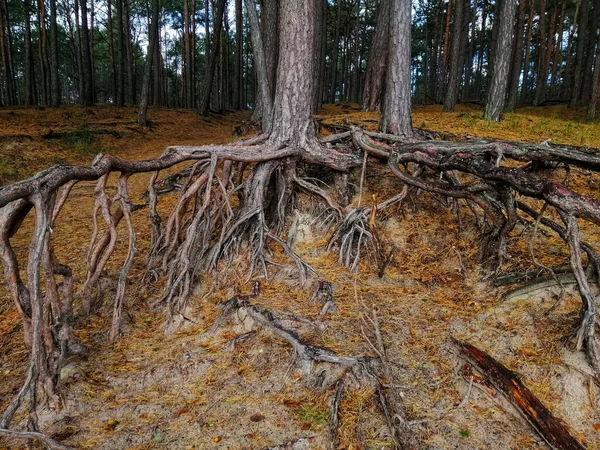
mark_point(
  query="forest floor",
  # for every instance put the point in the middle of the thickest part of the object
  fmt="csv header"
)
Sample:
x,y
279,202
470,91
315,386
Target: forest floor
x,y
191,389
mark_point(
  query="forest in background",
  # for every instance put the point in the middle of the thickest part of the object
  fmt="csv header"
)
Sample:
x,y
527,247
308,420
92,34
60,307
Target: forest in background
x,y
94,51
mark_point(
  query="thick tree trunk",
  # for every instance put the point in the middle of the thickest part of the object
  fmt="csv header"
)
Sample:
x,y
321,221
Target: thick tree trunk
x,y
497,92
455,71
517,60
377,60
395,115
152,41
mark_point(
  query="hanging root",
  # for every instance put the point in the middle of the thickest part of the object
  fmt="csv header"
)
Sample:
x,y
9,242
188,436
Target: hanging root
x,y
238,197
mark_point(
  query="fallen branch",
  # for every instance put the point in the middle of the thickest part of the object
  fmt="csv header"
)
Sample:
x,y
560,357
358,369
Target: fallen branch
x,y
539,417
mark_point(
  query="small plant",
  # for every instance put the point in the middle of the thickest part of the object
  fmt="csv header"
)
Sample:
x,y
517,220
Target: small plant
x,y
313,415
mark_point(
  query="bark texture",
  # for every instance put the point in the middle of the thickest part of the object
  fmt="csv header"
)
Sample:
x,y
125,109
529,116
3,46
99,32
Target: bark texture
x,y
395,115
497,93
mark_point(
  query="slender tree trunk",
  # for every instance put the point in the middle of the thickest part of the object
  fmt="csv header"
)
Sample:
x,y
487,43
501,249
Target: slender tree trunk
x,y
395,115
579,58
526,77
54,78
481,51
542,42
470,54
558,56
335,55
588,71
212,61
30,85
152,41
87,99
455,72
239,61
356,56
111,50
377,60
591,112
568,70
42,44
121,55
129,54
517,60
497,92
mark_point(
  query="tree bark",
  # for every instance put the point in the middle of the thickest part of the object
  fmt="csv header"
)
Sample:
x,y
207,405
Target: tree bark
x,y
87,97
591,112
568,69
335,55
55,96
377,60
211,64
152,41
395,115
579,59
542,43
497,92
455,72
30,85
517,60
239,61
42,45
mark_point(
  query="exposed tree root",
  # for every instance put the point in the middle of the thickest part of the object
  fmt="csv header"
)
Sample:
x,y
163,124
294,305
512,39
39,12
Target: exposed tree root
x,y
365,370
238,197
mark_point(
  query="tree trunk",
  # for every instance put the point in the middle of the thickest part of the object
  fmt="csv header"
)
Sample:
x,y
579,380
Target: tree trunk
x,y
335,56
42,43
54,78
30,85
395,115
497,92
152,41
239,62
212,61
525,86
558,54
455,72
377,60
481,51
591,112
111,50
542,43
588,70
87,98
129,54
517,60
579,59
568,70
121,55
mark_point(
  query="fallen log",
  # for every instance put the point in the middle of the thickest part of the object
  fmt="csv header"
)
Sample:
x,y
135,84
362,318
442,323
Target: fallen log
x,y
539,417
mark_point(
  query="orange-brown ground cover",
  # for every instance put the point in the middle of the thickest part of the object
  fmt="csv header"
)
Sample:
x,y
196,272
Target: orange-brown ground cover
x,y
188,390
